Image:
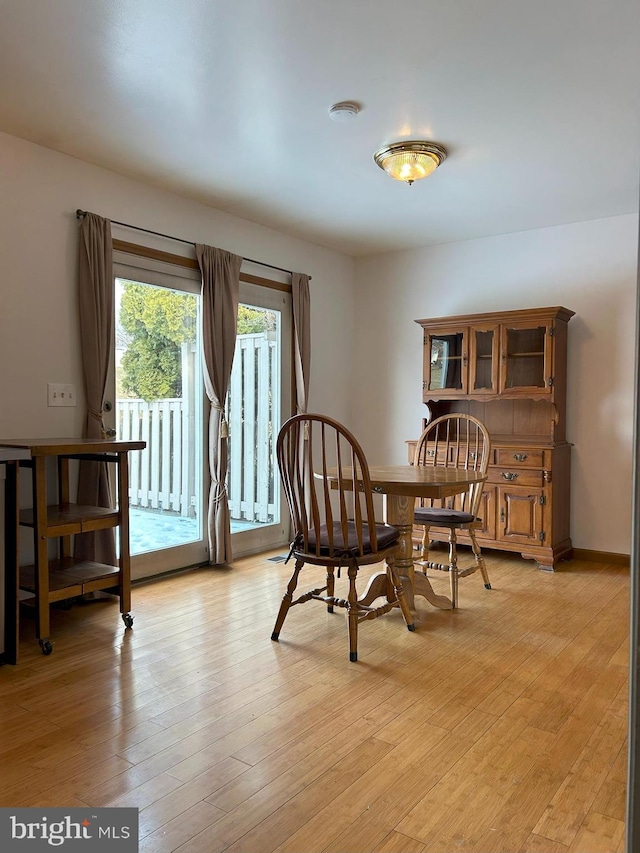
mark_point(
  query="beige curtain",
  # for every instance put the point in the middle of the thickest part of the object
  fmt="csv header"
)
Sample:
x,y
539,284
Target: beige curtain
x,y
220,290
302,352
302,336
96,298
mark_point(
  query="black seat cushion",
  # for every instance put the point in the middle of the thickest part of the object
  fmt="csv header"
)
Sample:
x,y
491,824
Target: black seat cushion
x,y
385,533
433,516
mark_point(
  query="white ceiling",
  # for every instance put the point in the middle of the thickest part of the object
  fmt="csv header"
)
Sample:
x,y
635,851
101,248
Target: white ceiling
x,y
226,101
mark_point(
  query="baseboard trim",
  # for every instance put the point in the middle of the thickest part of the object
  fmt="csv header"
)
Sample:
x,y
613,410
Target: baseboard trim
x,y
601,557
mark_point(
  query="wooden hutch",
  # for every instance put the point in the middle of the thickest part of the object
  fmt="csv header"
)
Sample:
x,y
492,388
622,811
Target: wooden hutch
x,y
509,369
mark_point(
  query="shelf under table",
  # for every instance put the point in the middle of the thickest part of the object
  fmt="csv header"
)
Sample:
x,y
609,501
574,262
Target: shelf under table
x,y
66,519
69,578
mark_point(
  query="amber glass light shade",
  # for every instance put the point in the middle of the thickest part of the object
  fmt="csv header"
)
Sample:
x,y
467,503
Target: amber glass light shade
x,y
410,161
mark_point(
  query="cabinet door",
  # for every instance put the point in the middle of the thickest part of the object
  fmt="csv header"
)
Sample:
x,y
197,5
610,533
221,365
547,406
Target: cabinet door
x,y
445,363
520,515
483,359
525,358
487,514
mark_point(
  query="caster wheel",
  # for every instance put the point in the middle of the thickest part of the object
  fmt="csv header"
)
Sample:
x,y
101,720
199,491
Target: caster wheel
x,y
127,618
46,647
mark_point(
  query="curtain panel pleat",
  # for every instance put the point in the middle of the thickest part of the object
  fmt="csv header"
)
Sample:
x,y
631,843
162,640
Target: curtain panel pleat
x,y
302,335
96,307
302,351
220,295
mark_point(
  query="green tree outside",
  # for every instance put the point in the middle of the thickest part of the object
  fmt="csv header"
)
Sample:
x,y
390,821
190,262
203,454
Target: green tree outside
x,y
154,324
255,320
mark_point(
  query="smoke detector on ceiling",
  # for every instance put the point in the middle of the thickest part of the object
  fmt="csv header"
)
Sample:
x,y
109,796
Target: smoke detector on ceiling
x,y
344,111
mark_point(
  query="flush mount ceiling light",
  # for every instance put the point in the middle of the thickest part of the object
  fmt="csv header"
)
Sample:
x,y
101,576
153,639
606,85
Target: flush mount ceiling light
x,y
410,161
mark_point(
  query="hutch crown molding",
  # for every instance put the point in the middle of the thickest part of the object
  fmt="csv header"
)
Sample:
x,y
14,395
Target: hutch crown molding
x,y
509,369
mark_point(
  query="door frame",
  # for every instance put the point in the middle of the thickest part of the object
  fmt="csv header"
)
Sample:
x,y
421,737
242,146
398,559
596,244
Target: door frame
x,y
632,823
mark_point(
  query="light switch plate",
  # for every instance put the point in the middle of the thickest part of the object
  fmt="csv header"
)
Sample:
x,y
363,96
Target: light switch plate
x,y
61,394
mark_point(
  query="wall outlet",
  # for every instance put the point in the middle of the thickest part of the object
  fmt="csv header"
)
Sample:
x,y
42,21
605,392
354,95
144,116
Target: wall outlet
x,y
61,395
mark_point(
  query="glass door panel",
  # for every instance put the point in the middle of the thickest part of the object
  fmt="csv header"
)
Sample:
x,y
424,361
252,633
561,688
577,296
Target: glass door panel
x,y
446,361
258,403
158,387
524,358
484,362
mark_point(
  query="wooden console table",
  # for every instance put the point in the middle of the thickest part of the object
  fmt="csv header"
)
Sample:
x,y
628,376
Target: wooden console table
x,y
65,577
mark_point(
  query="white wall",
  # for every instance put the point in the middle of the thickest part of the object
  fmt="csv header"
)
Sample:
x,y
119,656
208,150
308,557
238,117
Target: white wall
x,y
589,267
40,191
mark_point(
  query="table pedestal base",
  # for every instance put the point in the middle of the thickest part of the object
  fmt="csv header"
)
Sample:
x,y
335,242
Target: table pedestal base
x,y
398,511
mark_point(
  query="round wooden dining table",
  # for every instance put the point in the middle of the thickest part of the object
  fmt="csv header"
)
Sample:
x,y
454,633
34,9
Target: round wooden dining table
x,y
400,485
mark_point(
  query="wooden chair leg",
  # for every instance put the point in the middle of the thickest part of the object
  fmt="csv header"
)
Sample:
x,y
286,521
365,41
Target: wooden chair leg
x,y
286,600
477,553
331,581
424,545
401,598
352,614
453,567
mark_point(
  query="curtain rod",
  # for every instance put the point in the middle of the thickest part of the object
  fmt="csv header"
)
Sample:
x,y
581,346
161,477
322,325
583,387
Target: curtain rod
x,y
81,213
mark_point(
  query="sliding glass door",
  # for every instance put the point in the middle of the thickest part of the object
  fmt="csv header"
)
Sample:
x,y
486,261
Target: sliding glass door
x,y
258,403
158,396
158,393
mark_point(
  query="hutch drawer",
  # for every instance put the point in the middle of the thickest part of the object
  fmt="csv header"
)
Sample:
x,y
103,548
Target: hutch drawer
x,y
515,477
521,457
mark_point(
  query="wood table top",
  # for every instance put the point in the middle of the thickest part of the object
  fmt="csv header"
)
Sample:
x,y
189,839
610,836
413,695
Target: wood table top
x,y
419,480
61,446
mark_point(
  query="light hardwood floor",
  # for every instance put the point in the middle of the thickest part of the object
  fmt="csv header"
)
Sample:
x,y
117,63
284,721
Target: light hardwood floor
x,y
498,728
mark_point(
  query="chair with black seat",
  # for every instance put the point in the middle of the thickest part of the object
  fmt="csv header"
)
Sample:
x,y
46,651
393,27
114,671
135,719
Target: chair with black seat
x,y
453,441
328,489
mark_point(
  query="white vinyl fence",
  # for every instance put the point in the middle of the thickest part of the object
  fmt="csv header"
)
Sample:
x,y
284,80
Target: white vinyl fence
x,y
253,405
163,476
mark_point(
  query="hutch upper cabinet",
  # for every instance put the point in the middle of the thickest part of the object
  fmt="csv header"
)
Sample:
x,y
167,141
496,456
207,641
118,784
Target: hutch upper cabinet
x,y
484,355
509,369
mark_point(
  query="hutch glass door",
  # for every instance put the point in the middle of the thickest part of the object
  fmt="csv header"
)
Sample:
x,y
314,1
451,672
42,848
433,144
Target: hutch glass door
x,y
526,358
445,355
484,360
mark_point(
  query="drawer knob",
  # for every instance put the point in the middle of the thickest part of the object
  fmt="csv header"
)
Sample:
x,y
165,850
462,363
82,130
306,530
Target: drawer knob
x,y
509,475
519,457
431,453
473,455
